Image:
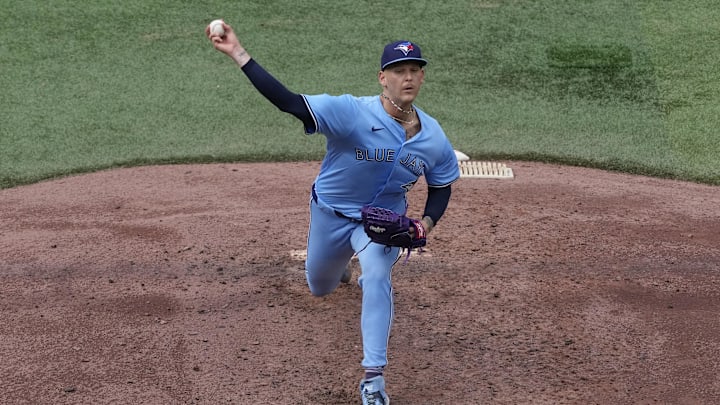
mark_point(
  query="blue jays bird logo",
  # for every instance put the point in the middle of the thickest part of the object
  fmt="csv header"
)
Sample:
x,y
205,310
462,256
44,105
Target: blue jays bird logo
x,y
405,47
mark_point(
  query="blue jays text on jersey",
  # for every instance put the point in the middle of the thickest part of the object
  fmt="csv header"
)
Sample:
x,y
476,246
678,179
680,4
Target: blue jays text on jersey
x,y
378,155
365,144
414,164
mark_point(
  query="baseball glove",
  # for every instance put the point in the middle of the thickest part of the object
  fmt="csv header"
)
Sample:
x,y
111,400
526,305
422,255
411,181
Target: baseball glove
x,y
389,228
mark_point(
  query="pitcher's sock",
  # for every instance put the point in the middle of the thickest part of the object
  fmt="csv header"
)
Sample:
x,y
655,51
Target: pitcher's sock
x,y
373,372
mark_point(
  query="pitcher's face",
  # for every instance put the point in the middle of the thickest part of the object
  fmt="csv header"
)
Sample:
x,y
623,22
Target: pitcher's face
x,y
402,81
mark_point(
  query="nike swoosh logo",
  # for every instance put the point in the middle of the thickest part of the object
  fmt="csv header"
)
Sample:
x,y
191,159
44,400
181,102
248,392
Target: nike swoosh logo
x,y
374,129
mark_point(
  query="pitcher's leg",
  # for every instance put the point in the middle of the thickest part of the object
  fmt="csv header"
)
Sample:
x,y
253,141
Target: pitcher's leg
x,y
376,262
328,250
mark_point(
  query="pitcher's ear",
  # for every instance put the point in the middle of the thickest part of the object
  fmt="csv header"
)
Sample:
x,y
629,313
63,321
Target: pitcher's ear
x,y
381,78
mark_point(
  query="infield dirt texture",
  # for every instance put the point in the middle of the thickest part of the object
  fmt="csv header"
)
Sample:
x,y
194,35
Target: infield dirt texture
x,y
175,285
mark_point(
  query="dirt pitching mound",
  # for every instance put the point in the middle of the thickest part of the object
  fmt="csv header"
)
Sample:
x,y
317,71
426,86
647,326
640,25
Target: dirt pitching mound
x,y
181,285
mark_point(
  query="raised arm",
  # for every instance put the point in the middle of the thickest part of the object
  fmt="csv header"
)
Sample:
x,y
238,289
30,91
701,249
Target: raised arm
x,y
264,82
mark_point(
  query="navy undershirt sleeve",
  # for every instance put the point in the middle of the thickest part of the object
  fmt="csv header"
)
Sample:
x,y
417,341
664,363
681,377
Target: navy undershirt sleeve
x,y
279,95
437,201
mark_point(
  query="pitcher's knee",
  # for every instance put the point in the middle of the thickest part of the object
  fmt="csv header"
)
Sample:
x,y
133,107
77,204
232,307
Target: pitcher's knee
x,y
374,281
321,287
319,292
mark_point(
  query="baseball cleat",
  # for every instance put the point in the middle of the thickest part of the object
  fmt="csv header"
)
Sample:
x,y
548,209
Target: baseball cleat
x,y
347,276
372,391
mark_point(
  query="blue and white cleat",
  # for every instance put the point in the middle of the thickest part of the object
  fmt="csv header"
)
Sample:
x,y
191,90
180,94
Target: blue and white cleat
x,y
372,391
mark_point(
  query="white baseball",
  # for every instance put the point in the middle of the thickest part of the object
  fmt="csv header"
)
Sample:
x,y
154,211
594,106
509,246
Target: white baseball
x,y
216,27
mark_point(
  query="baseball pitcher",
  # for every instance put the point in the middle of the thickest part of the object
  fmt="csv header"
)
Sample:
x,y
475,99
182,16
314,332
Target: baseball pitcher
x,y
377,147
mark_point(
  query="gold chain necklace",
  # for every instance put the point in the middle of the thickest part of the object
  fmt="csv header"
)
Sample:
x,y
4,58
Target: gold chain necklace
x,y
402,121
397,106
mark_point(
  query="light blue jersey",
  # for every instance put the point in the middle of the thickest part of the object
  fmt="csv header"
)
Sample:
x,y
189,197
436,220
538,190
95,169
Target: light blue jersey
x,y
369,161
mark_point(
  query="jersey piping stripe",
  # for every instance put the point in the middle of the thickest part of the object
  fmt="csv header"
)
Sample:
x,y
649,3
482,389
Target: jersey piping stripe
x,y
312,114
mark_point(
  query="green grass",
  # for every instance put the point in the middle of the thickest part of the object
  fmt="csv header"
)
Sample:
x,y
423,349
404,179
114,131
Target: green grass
x,y
628,86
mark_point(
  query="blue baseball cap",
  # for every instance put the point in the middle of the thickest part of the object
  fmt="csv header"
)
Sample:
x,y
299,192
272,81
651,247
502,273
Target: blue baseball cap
x,y
401,51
